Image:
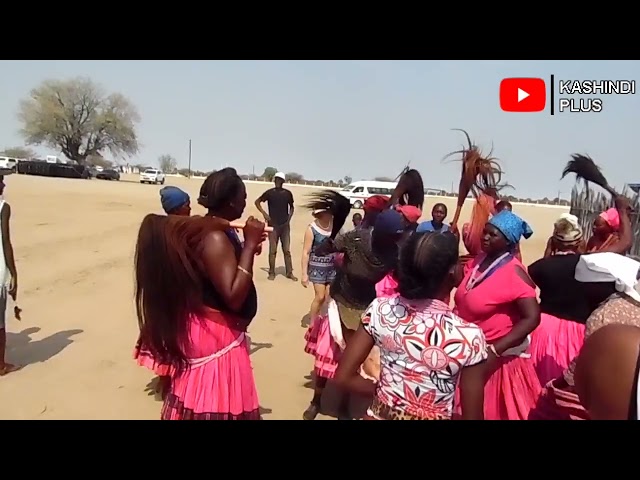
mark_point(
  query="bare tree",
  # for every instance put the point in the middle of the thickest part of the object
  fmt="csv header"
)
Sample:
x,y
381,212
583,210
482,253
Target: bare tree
x,y
77,117
347,179
19,152
167,163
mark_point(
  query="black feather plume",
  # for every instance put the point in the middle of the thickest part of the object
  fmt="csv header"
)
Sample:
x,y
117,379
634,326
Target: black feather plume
x,y
586,170
337,204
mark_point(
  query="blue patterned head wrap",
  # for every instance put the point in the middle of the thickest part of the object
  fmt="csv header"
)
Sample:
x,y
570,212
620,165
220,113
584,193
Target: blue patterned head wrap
x,y
511,226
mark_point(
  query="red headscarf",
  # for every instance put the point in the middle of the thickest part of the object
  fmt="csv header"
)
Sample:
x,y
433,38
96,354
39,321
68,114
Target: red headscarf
x,y
409,212
374,204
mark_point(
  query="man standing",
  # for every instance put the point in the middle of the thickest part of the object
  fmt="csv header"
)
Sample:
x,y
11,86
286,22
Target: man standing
x,y
280,203
8,272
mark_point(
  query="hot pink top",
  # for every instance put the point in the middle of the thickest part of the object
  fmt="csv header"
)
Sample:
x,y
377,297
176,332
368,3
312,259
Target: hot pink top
x,y
490,304
387,287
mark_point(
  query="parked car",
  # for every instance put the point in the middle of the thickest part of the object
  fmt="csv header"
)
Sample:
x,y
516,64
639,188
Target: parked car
x,y
108,174
8,163
152,175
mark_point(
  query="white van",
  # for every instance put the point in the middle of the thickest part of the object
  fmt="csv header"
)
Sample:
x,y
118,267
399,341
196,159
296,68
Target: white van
x,y
358,192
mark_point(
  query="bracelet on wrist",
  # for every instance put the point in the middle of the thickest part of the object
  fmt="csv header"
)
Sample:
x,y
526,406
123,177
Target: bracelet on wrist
x,y
245,271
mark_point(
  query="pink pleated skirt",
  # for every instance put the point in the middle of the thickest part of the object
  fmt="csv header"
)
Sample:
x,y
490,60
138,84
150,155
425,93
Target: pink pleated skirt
x,y
554,345
144,358
511,392
321,345
219,385
558,401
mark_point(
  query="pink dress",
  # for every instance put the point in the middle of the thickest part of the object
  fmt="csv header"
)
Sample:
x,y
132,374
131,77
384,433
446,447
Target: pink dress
x,y
513,388
219,384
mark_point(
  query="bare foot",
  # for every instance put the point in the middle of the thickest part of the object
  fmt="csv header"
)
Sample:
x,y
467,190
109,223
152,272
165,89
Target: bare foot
x,y
8,368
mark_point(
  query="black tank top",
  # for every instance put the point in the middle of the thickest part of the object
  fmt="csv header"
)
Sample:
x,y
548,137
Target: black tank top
x,y
213,299
561,295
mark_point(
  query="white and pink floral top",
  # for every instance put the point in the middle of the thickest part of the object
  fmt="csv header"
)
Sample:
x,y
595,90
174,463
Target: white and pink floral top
x,y
423,348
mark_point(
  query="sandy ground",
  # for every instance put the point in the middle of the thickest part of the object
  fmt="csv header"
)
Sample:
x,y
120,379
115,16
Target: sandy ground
x,y
74,242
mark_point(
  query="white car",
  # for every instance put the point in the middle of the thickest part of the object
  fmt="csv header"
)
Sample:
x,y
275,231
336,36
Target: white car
x,y
7,163
152,175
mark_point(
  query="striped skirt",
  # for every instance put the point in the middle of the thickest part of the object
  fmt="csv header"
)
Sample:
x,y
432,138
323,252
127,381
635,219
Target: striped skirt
x,y
559,401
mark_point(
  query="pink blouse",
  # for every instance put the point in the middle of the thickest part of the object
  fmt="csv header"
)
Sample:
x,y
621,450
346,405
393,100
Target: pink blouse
x,y
490,304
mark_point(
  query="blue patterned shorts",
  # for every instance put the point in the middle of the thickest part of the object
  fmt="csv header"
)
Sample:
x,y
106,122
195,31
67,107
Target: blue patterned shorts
x,y
321,270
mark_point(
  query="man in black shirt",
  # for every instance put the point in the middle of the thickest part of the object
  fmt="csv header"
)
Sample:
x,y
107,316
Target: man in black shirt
x,y
280,203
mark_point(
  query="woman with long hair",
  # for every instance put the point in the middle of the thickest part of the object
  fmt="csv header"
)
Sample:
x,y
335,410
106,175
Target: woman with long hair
x,y
497,295
369,254
319,270
409,189
195,298
563,305
366,255
610,283
174,201
425,349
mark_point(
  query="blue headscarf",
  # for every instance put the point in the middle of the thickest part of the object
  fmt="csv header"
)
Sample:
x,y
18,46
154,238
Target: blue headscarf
x,y
511,226
172,198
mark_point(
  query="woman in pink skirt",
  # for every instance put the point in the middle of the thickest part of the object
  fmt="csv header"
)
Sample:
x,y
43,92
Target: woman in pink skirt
x,y
497,295
195,298
564,308
359,271
174,202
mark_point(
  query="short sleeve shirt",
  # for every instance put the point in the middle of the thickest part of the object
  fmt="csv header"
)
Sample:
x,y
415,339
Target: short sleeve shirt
x,y
279,201
423,348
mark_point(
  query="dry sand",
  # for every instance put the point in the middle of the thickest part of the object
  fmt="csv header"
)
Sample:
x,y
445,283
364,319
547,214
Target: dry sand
x,y
74,242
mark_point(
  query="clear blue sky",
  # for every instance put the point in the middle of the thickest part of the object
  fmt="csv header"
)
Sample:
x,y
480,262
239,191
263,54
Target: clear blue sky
x,y
327,119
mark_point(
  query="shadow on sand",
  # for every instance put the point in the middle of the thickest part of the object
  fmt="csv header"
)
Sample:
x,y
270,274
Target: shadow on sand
x,y
257,346
280,271
331,400
23,351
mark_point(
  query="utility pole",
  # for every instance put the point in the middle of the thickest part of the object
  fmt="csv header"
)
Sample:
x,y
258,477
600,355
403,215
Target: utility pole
x,y
189,158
